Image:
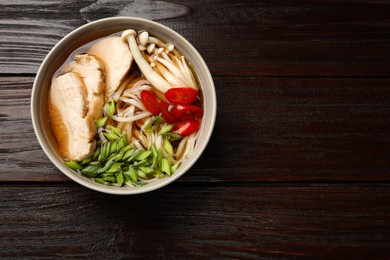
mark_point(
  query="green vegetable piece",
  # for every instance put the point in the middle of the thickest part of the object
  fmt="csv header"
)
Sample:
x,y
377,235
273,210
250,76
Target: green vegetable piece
x,y
100,122
142,174
111,136
122,142
140,163
175,167
110,108
114,167
91,171
168,147
153,124
172,136
86,161
117,157
103,148
107,166
113,147
110,178
126,177
165,166
160,156
73,165
133,175
96,163
115,130
134,155
128,154
154,150
159,174
126,148
165,129
142,155
146,170
100,180
108,174
119,178
96,153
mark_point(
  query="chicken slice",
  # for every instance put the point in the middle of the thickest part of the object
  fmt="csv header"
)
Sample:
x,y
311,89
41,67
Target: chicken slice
x,y
72,125
92,72
117,60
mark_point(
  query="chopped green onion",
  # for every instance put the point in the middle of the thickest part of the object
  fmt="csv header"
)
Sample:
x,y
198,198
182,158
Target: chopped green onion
x,y
172,136
86,161
100,180
91,171
168,147
115,130
133,175
165,166
146,170
153,124
165,129
122,142
110,136
128,154
142,155
100,122
74,165
140,163
117,157
119,178
142,174
110,108
96,153
126,148
114,167
107,166
126,177
110,178
175,167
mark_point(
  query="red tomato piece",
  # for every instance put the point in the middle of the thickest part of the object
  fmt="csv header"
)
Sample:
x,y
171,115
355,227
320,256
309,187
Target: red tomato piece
x,y
186,127
150,102
165,110
182,96
186,112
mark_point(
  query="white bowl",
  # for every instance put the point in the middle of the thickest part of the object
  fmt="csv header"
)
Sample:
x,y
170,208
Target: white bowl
x,y
101,28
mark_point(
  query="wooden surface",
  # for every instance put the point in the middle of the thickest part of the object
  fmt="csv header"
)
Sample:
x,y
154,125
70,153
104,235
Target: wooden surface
x,y
298,164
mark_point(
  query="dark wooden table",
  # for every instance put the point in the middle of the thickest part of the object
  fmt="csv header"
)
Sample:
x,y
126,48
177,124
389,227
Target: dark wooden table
x,y
298,164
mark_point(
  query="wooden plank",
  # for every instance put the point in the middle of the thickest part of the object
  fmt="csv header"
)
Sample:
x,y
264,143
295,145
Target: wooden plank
x,y
267,129
236,38
184,221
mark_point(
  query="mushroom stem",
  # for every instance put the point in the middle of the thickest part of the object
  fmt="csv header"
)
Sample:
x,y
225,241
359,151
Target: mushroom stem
x,y
175,81
159,43
156,80
176,71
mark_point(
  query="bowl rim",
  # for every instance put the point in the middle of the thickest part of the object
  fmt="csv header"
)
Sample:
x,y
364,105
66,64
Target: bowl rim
x,y
39,132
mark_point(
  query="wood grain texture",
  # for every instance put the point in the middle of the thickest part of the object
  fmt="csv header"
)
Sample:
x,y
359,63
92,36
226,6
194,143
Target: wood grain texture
x,y
298,164
274,129
236,38
187,222
152,10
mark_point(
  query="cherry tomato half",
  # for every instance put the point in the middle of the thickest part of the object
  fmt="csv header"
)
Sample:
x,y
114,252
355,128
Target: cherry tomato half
x,y
186,112
165,110
150,102
182,96
186,127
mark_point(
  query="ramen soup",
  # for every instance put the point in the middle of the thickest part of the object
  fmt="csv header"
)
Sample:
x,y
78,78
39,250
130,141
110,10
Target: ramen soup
x,y
125,109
